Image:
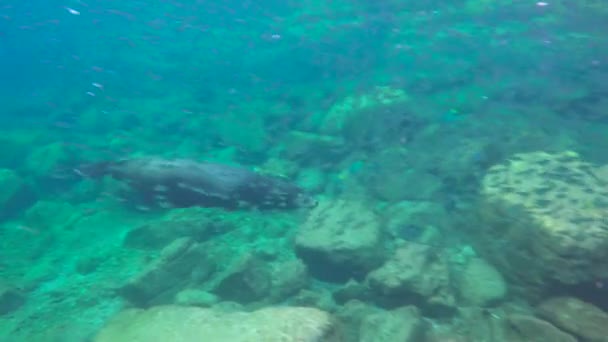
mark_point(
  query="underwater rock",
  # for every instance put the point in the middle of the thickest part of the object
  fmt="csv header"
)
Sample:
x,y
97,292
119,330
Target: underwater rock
x,y
246,281
392,178
162,278
11,184
524,328
318,298
340,240
418,270
347,109
352,290
193,297
10,299
16,194
51,215
313,180
403,220
189,324
199,224
88,264
504,324
185,183
543,220
480,284
312,149
45,160
402,324
351,316
288,278
576,317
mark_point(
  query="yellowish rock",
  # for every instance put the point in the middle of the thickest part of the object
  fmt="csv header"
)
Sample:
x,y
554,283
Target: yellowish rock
x,y
192,324
543,218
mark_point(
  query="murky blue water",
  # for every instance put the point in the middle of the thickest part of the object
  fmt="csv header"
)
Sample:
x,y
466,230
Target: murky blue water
x,y
463,139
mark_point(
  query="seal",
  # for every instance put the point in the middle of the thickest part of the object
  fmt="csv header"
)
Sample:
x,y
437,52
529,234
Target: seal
x,y
181,183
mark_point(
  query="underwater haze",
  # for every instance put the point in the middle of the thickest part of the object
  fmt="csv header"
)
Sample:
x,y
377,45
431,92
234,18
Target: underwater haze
x,y
327,171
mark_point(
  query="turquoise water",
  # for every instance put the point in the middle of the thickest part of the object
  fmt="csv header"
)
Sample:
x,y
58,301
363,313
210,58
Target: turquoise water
x,y
446,162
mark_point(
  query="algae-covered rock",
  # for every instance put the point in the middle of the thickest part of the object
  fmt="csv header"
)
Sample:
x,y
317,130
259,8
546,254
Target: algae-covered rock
x,y
45,160
480,284
502,325
418,270
193,297
340,113
339,240
403,325
419,221
393,179
288,278
165,276
318,298
352,290
10,299
309,147
543,219
45,215
192,324
199,224
10,182
246,280
524,328
576,317
414,185
312,180
351,315
247,133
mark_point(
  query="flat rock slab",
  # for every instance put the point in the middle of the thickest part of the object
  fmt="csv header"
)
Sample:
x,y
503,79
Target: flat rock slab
x,y
191,324
577,317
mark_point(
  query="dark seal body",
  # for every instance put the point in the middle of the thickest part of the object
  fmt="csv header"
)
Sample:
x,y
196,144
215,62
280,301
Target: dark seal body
x,y
185,183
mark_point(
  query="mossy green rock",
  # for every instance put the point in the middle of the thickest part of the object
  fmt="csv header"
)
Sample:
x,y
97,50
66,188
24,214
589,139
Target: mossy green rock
x,y
50,215
576,317
11,183
339,114
481,284
165,276
192,324
403,325
48,159
340,239
10,299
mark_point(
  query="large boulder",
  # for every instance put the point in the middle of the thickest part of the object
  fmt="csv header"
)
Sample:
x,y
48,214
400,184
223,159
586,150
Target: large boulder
x,y
403,325
248,279
288,278
11,183
395,180
199,224
339,240
415,270
500,325
576,317
167,275
193,324
344,113
415,221
16,194
524,328
10,299
543,219
480,284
